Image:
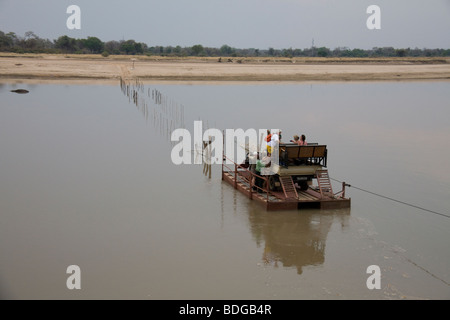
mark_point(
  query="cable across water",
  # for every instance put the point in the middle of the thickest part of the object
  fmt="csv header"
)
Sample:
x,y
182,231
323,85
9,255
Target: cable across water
x,y
392,199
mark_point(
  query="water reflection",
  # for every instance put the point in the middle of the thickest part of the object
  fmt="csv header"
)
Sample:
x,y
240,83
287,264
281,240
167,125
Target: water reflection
x,y
289,239
294,239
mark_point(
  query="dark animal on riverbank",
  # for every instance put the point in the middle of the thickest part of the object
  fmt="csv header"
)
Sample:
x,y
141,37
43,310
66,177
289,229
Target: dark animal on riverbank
x,y
21,91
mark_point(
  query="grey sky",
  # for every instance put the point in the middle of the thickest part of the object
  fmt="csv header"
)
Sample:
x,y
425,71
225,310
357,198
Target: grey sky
x,y
238,23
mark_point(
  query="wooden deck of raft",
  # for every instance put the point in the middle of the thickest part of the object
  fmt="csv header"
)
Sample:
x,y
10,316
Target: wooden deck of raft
x,y
276,200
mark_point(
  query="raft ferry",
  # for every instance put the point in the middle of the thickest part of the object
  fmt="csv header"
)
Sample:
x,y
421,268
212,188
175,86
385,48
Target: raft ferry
x,y
299,180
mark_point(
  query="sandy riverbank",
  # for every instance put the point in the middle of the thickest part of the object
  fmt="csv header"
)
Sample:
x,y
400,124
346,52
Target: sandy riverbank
x,y
95,67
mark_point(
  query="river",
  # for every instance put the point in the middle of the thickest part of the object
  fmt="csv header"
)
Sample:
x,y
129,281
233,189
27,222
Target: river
x,y
86,179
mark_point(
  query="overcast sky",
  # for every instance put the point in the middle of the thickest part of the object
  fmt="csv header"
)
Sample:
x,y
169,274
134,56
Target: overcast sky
x,y
238,23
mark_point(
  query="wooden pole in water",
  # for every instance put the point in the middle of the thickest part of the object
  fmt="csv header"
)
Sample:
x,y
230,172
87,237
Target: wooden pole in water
x,y
235,176
251,186
223,150
203,157
209,156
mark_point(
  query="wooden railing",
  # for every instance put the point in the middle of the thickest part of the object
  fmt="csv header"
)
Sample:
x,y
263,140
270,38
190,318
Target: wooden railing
x,y
341,194
237,170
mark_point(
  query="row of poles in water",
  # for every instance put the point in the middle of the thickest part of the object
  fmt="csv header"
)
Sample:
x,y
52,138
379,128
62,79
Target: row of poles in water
x,y
165,114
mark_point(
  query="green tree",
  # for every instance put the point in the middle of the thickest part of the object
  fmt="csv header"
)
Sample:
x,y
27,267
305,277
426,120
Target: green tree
x,y
128,47
358,53
177,50
13,37
226,50
113,47
5,41
133,47
323,52
288,53
93,44
66,44
30,35
197,49
138,47
400,52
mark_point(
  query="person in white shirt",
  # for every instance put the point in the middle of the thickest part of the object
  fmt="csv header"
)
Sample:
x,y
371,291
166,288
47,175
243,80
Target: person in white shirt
x,y
274,140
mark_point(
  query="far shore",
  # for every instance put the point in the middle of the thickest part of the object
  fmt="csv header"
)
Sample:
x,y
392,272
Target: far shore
x,y
259,69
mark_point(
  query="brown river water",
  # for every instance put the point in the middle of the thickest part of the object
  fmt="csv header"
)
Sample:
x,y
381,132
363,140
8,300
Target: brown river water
x,y
86,179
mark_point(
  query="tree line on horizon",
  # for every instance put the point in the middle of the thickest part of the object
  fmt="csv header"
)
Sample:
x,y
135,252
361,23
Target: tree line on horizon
x,y
31,43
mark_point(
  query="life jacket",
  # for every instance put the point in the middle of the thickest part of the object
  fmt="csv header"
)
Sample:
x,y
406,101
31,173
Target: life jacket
x,y
269,137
